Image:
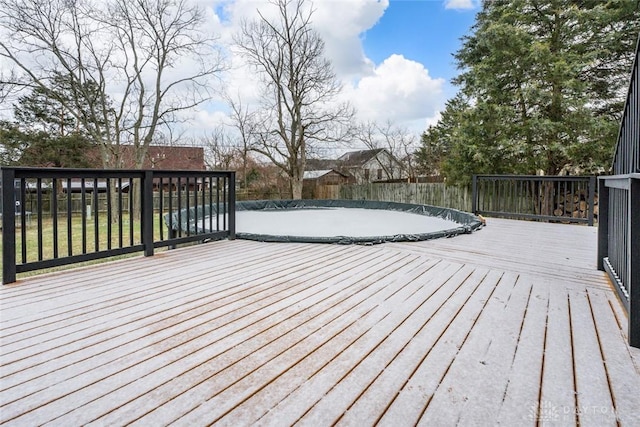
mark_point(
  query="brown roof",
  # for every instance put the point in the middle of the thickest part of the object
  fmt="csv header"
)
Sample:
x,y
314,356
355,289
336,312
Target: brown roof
x,y
321,164
174,158
162,157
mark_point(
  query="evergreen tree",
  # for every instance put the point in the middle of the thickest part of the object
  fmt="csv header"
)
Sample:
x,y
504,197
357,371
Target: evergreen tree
x,y
42,111
43,149
44,133
436,141
545,80
12,144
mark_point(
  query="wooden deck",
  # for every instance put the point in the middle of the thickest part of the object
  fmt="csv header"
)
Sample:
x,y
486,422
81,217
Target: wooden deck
x,y
511,325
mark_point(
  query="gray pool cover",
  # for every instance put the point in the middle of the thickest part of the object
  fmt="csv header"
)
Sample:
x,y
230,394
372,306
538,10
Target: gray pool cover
x,y
191,221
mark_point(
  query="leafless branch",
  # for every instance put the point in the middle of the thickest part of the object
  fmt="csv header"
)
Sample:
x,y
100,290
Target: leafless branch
x,y
127,52
299,88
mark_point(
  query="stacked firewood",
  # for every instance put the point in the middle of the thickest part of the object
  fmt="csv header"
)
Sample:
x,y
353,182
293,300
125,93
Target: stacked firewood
x,y
575,205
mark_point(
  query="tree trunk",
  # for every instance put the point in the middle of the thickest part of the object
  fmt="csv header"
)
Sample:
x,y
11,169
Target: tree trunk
x,y
113,195
546,202
135,192
296,187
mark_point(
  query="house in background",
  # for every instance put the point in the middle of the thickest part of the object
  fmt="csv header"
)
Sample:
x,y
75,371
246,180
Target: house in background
x,y
158,157
363,166
166,158
313,179
321,164
372,165
163,157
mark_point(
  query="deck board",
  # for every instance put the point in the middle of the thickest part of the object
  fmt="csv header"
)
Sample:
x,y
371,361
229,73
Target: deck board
x,y
558,374
435,357
593,395
511,325
615,358
485,359
523,388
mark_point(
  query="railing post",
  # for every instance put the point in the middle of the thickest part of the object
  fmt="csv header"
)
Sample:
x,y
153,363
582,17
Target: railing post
x,y
633,264
474,195
592,198
232,205
8,226
603,222
147,212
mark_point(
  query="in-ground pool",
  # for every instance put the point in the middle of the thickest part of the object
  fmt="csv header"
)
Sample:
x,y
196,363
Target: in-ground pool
x,y
339,221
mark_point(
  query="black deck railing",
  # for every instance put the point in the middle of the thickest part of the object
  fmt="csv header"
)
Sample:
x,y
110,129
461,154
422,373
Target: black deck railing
x,y
619,243
619,228
547,198
68,216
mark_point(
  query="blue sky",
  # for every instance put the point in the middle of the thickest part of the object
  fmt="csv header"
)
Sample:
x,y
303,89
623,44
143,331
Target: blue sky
x,y
393,57
423,31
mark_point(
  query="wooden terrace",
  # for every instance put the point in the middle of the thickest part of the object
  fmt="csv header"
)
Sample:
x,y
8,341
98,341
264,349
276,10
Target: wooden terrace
x,y
511,325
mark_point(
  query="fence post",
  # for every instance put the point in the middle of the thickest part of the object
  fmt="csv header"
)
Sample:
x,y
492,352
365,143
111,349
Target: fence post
x,y
603,222
474,195
632,260
592,198
232,205
147,212
8,226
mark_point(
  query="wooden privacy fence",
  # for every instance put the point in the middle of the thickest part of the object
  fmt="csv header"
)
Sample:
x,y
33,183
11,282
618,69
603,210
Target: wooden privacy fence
x,y
436,194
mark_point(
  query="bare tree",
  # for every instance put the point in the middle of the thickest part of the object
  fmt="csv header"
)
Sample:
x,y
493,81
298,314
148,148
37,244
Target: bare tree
x,y
52,39
299,88
246,124
221,150
121,58
398,141
8,85
155,36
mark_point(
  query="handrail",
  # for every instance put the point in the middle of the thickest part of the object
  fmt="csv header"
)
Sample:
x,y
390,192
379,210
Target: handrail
x,y
626,158
120,212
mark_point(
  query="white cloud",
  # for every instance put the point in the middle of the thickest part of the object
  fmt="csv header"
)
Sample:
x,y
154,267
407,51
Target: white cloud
x,y
400,90
340,24
459,4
